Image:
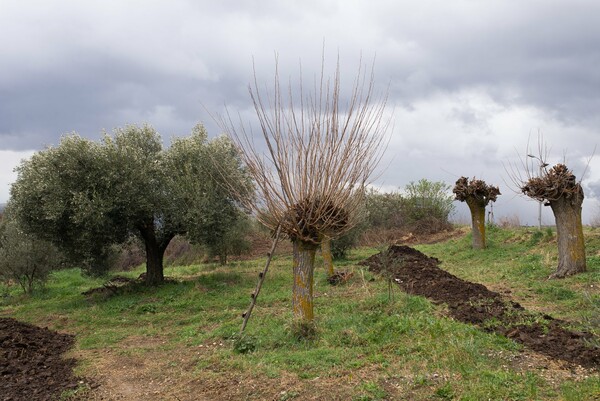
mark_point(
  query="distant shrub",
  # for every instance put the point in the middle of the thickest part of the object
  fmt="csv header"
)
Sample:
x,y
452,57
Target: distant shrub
x,y
340,246
428,205
384,210
424,208
25,259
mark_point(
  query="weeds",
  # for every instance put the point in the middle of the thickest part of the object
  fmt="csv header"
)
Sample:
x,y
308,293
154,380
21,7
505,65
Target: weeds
x,y
362,332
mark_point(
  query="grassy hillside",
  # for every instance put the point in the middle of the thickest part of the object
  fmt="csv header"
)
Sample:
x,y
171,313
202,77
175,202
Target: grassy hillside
x,y
180,341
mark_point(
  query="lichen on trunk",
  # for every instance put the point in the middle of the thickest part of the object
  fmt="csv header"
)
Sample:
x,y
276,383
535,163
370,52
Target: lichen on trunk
x,y
302,293
569,233
477,194
559,188
478,224
327,256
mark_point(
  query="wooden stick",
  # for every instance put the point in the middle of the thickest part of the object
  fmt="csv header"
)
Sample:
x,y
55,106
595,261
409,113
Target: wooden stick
x,y
261,279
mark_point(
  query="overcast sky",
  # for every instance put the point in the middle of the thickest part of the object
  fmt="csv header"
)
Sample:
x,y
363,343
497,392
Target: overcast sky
x,y
469,81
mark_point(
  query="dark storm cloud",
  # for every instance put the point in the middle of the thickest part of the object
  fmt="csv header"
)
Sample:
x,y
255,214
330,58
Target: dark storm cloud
x,y
535,53
469,81
545,51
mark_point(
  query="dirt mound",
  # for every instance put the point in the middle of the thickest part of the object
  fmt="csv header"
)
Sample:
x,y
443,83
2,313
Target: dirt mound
x,y
418,274
31,362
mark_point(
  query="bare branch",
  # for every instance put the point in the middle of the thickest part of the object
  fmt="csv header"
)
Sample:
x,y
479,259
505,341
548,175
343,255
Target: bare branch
x,y
320,153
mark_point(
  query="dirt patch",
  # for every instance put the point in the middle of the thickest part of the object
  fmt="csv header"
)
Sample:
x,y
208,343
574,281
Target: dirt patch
x,y
473,303
32,366
121,285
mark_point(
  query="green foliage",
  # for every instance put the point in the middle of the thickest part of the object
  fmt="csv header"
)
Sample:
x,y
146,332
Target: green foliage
x,y
341,245
428,204
385,210
86,196
445,392
538,236
24,259
368,347
244,344
425,206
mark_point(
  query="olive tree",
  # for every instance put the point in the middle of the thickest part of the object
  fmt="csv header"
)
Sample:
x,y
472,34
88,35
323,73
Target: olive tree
x,y
24,259
84,196
321,151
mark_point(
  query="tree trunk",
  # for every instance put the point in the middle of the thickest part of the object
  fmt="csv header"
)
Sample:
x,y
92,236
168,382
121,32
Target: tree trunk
x,y
569,233
327,256
155,251
302,293
478,223
154,263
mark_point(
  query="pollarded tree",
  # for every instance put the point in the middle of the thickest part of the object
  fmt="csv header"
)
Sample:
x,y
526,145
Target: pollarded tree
x,y
320,156
558,188
477,194
85,196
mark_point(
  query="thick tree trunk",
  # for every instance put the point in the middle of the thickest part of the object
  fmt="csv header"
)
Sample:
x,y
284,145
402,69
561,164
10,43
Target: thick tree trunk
x,y
155,251
569,233
327,256
154,263
478,223
302,293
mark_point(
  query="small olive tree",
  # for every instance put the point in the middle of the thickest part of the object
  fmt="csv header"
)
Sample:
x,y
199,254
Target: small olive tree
x,y
477,194
25,259
321,151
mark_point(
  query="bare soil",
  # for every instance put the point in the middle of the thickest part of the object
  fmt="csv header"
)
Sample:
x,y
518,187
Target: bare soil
x,y
32,366
473,303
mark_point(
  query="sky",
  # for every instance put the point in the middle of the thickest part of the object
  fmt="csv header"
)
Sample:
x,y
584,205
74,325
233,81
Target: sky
x,y
471,83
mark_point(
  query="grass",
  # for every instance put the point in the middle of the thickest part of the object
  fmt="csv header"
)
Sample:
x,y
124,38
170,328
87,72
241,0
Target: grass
x,y
369,346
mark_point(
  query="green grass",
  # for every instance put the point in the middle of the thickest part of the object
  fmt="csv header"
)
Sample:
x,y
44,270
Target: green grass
x,y
382,348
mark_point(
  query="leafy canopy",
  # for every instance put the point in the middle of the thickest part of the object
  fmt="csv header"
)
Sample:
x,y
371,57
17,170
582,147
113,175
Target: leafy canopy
x,y
84,196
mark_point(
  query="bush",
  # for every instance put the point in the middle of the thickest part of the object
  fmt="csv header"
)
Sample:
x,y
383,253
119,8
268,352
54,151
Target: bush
x,y
384,210
25,259
340,246
424,208
428,206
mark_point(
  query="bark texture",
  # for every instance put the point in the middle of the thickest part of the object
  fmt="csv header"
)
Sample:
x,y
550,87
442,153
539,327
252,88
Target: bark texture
x,y
559,189
478,223
302,293
327,256
155,251
569,233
